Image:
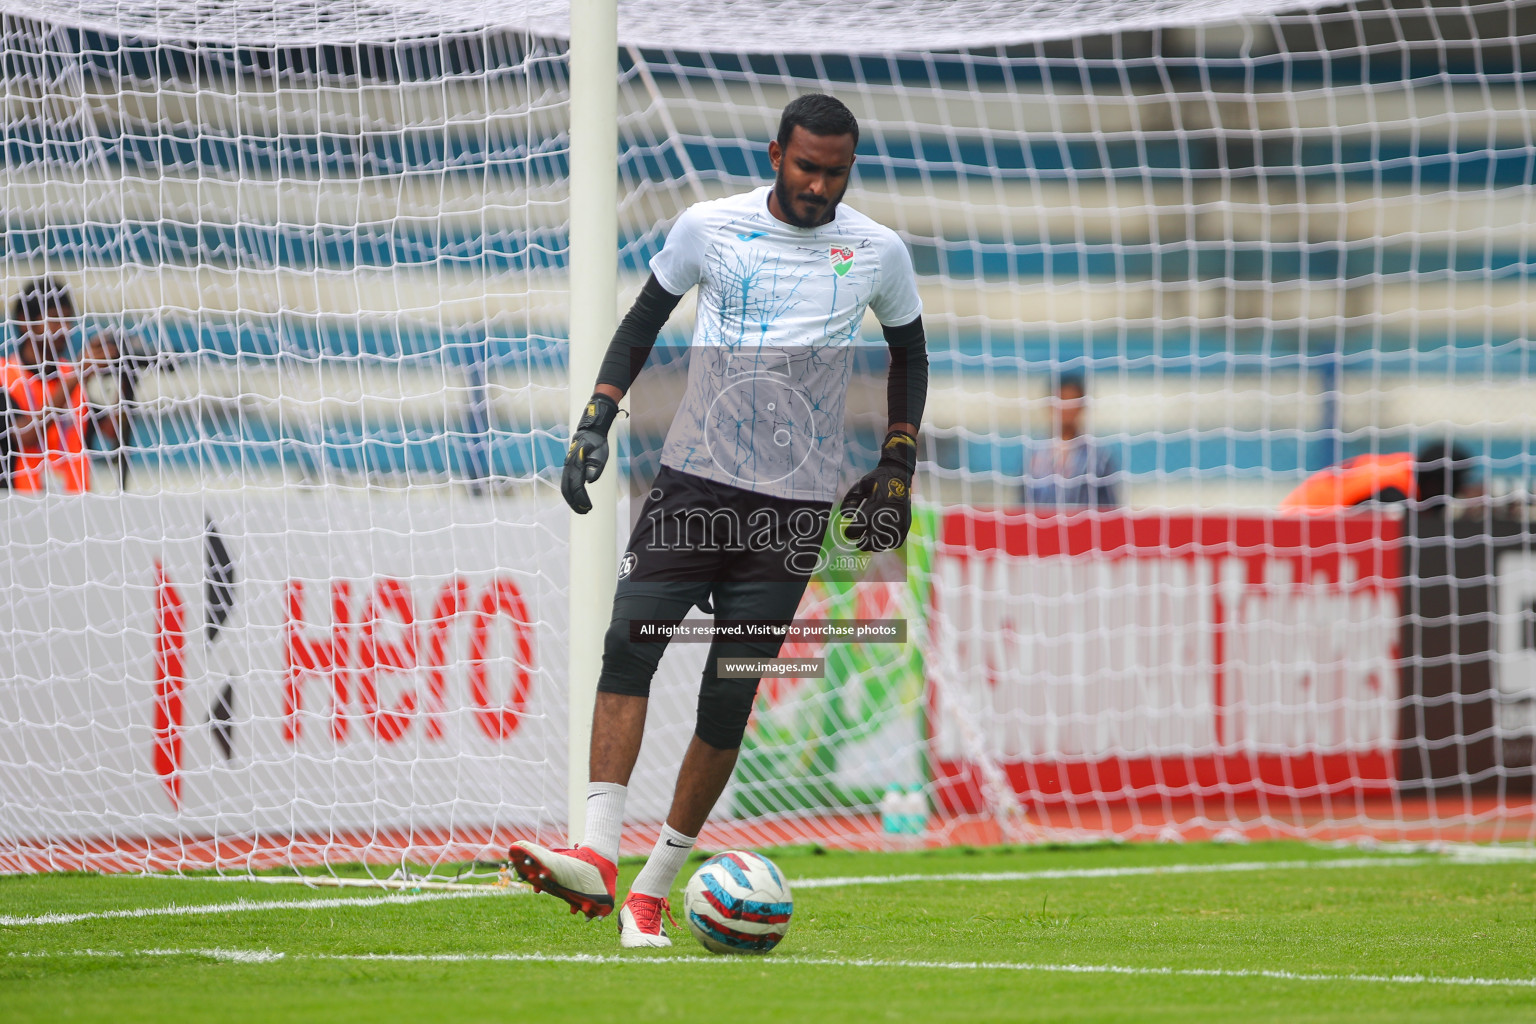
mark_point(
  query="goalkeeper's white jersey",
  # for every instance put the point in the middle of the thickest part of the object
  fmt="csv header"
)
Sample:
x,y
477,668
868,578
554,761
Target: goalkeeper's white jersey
x,y
779,309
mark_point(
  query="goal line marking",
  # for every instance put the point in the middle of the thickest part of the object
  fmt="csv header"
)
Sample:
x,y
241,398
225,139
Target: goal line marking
x,y
243,906
267,956
332,903
1111,872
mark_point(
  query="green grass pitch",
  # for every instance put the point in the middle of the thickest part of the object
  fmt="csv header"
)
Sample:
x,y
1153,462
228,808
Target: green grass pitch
x,y
1109,932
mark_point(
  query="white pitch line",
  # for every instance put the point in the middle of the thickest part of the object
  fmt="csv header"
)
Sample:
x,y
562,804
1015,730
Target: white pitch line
x,y
267,956
1120,872
242,906
332,882
238,956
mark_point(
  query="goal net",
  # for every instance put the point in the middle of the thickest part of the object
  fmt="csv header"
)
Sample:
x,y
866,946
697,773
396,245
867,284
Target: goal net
x,y
1176,259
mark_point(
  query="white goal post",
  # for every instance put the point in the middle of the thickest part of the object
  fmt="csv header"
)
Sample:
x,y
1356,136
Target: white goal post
x,y
594,287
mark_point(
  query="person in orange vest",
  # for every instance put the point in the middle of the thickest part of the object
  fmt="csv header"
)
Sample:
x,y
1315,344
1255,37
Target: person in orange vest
x,y
43,405
1441,470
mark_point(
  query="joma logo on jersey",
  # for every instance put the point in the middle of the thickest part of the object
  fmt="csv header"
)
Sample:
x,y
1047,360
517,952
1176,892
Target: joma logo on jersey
x,y
842,259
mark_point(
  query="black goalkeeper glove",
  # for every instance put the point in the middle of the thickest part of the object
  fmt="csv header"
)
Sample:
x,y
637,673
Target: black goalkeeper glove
x,y
588,453
877,511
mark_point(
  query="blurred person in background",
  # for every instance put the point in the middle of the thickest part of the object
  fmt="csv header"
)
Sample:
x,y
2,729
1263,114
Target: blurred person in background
x,y
1071,470
48,425
1440,471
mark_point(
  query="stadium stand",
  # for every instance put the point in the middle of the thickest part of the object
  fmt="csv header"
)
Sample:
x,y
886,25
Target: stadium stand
x,y
1261,278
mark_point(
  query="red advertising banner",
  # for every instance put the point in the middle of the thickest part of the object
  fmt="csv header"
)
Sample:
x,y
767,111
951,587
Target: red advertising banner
x,y
1114,657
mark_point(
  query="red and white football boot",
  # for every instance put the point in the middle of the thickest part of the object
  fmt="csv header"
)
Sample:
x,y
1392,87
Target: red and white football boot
x,y
581,877
640,921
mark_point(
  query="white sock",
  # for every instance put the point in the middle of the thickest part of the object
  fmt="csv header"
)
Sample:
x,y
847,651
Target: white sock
x,y
666,860
605,818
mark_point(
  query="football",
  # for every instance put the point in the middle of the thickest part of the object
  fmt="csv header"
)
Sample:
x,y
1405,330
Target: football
x,y
738,902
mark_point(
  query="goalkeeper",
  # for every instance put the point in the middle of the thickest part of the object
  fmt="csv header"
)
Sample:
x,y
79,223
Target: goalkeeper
x,y
735,519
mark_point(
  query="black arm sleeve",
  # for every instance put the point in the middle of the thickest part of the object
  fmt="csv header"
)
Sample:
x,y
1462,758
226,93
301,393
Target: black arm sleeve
x,y
906,387
636,335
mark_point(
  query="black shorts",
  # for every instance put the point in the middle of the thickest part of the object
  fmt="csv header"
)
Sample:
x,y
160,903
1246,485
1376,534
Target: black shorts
x,y
695,531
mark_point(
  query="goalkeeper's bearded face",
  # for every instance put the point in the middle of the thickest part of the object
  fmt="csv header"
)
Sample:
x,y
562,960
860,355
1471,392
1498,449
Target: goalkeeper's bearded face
x,y
811,176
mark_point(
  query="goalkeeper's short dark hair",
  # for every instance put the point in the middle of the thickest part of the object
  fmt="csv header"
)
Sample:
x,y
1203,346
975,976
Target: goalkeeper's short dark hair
x,y
818,114
40,297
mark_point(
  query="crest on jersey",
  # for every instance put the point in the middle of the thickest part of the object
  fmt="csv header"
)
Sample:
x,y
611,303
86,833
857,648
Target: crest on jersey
x,y
842,259
627,564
